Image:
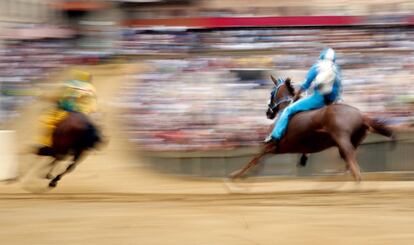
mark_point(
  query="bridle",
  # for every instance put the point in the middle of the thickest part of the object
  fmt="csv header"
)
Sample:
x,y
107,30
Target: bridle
x,y
278,101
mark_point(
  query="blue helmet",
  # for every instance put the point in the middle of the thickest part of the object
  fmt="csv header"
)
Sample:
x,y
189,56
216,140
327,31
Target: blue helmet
x,y
328,54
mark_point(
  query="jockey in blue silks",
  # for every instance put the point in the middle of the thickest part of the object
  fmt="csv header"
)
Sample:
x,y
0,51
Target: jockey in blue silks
x,y
325,77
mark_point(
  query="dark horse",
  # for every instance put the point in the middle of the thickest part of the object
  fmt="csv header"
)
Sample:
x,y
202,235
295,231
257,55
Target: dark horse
x,y
338,125
72,137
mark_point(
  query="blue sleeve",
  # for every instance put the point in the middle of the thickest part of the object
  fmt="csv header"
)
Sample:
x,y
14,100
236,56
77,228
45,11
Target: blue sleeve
x,y
312,73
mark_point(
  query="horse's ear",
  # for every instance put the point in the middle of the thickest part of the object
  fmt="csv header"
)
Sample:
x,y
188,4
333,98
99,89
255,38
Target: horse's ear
x,y
274,80
288,80
289,86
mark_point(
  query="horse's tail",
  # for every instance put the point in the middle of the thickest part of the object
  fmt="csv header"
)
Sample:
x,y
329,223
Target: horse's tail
x,y
379,127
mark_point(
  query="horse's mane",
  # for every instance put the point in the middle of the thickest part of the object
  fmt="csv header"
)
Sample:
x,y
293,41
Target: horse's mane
x,y
287,83
289,86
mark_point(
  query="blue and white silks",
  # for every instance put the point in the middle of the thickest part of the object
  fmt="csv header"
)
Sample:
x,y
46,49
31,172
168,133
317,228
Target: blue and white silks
x,y
325,79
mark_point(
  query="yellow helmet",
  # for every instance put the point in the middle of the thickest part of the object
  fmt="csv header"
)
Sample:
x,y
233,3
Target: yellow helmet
x,y
82,76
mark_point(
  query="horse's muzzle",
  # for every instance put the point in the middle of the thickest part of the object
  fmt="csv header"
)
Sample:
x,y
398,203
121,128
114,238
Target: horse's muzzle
x,y
270,114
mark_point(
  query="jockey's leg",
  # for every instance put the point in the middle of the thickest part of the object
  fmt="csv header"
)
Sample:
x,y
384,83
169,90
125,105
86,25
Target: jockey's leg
x,y
315,101
49,122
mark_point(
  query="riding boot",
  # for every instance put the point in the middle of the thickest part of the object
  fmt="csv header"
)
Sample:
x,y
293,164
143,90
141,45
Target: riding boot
x,y
270,139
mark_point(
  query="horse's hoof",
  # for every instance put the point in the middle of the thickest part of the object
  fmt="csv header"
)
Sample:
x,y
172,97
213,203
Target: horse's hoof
x,y
302,161
358,178
53,184
234,175
237,177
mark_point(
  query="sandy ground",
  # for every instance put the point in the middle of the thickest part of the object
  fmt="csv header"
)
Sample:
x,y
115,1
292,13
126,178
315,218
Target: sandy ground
x,y
112,199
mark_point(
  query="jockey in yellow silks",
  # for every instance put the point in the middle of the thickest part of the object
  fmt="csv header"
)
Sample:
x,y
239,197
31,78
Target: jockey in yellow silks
x,y
76,95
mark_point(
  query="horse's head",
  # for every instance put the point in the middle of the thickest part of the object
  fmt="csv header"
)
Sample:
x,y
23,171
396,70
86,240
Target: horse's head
x,y
280,97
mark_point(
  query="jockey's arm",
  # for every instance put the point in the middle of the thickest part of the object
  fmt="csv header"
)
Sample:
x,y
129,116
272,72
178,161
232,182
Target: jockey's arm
x,y
88,101
312,73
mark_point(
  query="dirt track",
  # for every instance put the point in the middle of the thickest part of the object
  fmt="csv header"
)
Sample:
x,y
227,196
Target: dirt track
x,y
112,199
361,218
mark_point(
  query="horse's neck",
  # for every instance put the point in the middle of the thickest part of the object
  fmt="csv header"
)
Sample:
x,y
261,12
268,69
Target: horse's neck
x,y
283,108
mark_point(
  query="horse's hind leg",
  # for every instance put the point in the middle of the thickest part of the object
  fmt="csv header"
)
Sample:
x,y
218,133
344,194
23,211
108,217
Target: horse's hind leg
x,y
356,140
268,148
348,153
40,169
342,155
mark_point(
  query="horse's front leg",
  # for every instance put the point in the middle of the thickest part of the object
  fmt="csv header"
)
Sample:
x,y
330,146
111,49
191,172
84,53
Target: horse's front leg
x,y
69,169
268,148
303,160
51,165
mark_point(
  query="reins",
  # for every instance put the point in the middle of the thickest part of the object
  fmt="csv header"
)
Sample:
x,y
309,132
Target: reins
x,y
281,101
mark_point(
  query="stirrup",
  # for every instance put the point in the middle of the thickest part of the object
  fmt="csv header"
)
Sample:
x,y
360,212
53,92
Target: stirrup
x,y
276,142
270,139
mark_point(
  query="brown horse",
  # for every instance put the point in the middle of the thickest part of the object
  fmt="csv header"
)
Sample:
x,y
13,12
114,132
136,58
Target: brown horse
x,y
72,137
336,125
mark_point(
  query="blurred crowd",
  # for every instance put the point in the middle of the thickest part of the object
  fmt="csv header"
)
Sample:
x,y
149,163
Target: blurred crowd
x,y
194,105
202,103
214,95
23,64
299,41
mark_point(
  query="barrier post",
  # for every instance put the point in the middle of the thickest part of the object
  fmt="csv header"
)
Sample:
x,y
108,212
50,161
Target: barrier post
x,y
8,159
